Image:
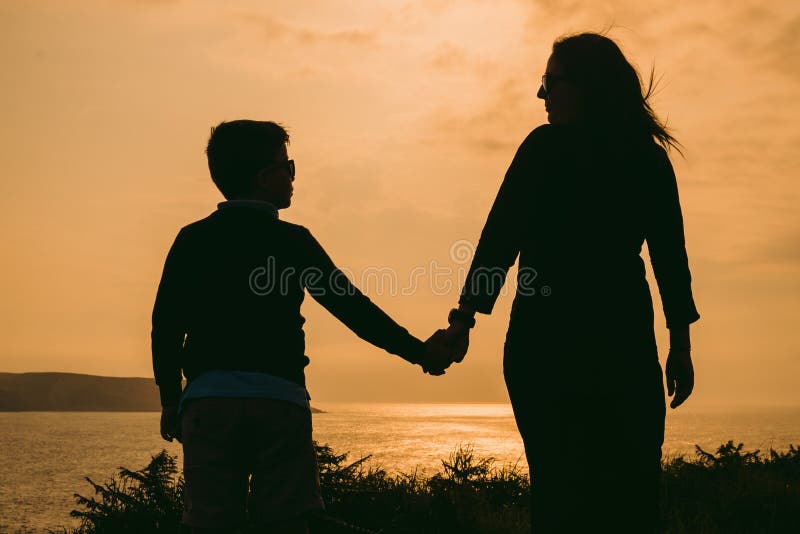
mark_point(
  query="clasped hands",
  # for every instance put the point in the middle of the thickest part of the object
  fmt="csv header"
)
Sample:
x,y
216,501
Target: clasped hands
x,y
445,347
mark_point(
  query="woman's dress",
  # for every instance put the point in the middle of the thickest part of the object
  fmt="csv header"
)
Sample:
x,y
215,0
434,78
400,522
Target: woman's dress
x,y
580,360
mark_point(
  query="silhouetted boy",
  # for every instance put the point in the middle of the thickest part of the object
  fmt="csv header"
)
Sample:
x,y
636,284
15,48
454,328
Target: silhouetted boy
x,y
227,315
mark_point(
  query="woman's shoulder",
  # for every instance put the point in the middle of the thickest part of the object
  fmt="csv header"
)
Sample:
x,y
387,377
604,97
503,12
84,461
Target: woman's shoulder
x,y
540,139
557,133
541,134
578,138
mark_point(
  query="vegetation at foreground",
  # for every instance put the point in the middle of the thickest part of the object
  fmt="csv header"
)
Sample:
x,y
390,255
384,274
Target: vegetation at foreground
x,y
730,491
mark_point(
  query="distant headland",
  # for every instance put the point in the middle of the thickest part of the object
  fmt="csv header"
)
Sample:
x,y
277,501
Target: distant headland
x,y
72,392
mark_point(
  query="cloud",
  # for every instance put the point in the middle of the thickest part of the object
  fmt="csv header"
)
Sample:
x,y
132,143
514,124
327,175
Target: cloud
x,y
449,57
784,247
496,124
503,93
273,29
784,49
154,3
452,59
490,122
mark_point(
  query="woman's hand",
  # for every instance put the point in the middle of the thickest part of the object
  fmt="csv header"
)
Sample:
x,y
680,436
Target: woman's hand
x,y
457,336
680,376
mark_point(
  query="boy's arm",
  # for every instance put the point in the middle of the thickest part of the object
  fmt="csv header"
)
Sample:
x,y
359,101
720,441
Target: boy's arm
x,y
168,325
331,288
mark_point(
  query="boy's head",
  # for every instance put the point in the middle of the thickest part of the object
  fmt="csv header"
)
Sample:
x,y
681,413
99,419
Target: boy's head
x,y
248,160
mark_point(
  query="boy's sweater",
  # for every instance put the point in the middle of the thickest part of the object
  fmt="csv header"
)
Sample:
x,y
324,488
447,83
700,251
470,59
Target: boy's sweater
x,y
230,296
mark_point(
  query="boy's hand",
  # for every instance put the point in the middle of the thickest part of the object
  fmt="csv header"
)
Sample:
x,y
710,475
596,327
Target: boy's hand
x,y
170,423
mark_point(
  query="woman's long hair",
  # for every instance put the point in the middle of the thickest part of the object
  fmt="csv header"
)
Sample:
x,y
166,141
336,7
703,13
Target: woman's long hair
x,y
612,93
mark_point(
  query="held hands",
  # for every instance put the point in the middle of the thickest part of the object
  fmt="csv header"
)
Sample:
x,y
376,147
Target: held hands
x,y
680,376
437,354
445,347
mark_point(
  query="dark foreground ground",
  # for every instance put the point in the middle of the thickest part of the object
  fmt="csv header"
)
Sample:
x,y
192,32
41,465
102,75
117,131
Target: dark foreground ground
x,y
729,491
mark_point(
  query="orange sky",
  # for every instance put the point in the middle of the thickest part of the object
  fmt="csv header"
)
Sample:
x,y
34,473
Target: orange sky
x,y
404,117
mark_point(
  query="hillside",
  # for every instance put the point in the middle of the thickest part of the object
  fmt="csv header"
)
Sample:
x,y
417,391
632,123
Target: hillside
x,y
77,392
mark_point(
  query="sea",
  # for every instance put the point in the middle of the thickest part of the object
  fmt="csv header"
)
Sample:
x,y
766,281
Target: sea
x,y
45,456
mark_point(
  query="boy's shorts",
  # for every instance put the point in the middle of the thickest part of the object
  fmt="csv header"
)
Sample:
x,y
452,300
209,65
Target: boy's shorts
x,y
225,440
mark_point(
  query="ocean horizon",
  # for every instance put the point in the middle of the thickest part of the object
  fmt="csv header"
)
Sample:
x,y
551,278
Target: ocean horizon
x,y
48,454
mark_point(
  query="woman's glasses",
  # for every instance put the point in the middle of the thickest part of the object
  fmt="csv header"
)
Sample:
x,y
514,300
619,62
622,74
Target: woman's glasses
x,y
549,79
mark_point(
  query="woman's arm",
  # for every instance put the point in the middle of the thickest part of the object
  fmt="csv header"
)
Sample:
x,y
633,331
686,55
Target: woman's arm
x,y
499,244
498,247
679,337
666,245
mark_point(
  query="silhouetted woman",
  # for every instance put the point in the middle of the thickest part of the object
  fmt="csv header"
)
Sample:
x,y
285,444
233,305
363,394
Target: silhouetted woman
x,y
580,197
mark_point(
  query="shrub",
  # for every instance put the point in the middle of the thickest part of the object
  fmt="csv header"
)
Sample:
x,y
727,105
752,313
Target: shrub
x,y
730,491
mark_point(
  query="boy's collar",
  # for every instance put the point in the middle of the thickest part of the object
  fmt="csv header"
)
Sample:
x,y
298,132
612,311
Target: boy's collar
x,y
250,203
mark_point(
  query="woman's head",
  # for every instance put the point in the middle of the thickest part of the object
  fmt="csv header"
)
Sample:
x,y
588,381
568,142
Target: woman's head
x,y
589,80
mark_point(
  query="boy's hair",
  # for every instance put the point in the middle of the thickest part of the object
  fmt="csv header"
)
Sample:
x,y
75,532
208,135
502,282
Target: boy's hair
x,y
237,150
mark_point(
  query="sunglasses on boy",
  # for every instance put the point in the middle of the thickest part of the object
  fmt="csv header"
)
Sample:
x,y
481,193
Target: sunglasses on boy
x,y
288,165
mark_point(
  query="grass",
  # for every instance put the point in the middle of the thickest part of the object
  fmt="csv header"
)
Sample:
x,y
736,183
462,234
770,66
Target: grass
x,y
729,491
